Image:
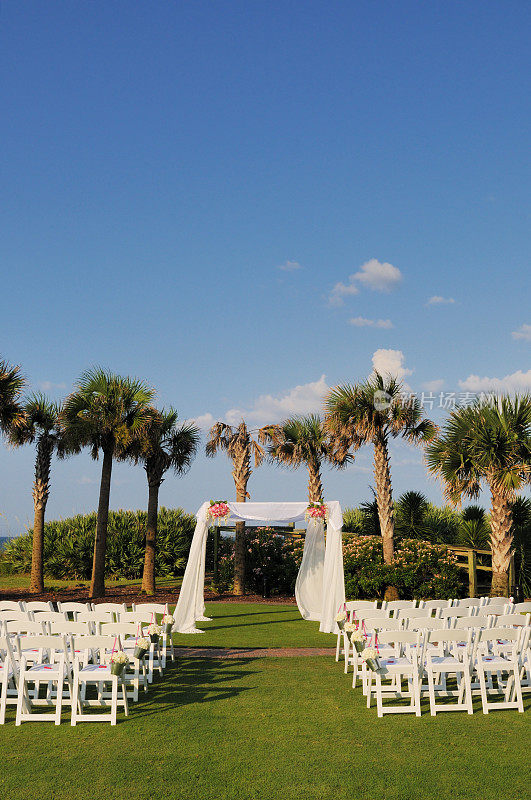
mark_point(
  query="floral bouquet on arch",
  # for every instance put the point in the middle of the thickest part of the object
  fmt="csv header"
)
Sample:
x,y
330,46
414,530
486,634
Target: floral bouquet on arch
x,y
218,511
318,510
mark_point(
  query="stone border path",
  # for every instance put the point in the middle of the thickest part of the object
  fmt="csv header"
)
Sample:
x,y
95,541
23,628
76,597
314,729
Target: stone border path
x,y
249,652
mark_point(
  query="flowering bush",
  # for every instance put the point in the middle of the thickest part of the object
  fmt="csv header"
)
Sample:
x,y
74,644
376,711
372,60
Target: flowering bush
x,y
420,569
269,555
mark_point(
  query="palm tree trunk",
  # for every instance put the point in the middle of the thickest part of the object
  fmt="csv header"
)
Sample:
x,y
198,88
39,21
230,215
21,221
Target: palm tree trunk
x,y
239,544
97,584
501,540
37,568
41,490
148,576
315,487
384,500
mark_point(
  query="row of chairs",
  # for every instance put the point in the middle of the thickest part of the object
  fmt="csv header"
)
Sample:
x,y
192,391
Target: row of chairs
x,y
483,654
40,648
447,610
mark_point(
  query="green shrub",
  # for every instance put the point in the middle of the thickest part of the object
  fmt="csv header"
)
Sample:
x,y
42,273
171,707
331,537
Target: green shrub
x,y
269,555
69,544
420,570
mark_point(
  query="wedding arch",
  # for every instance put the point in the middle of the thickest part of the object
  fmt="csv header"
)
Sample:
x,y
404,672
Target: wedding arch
x,y
320,586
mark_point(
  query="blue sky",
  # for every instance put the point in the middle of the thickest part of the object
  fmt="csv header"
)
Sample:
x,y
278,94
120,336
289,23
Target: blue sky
x,y
189,187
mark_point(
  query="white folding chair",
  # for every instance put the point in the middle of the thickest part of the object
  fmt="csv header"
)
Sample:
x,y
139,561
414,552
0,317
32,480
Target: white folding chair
x,y
38,605
73,608
435,605
95,618
450,615
52,668
351,608
403,664
159,609
392,606
91,666
449,656
46,617
406,614
467,602
464,623
523,608
8,675
490,663
11,605
113,608
9,616
146,618
370,627
128,634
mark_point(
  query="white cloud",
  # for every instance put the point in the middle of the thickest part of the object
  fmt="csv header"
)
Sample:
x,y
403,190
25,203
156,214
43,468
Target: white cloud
x,y
523,332
375,275
433,386
390,362
438,300
379,276
86,481
515,382
290,266
49,386
342,290
361,322
204,421
304,399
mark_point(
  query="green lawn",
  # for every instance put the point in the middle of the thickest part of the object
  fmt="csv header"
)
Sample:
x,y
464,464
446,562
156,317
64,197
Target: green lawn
x,y
256,625
22,581
266,729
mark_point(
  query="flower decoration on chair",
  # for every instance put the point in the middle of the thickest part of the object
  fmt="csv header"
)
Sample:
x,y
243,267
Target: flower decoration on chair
x,y
355,636
219,511
119,661
317,510
370,656
341,619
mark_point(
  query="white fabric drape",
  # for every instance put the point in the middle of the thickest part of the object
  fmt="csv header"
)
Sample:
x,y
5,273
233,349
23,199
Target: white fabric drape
x,y
320,587
309,584
333,575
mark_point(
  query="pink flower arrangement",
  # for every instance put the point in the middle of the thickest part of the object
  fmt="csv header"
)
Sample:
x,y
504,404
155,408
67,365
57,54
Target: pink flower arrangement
x,y
219,511
317,511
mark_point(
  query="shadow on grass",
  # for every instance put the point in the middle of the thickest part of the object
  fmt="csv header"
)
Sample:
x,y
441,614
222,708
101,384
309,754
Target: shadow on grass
x,y
194,680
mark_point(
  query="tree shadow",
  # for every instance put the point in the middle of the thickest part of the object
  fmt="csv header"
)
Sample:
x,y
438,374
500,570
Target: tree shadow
x,y
194,680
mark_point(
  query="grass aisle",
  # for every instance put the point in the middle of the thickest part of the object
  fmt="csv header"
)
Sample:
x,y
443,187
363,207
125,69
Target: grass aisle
x,y
256,625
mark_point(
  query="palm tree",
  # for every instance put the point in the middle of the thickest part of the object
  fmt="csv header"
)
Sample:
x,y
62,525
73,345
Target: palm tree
x,y
164,445
304,440
40,424
11,385
372,413
105,412
488,443
239,445
411,510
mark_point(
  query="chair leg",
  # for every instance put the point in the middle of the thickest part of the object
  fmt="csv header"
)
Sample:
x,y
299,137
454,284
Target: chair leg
x,y
124,693
431,692
483,689
59,701
75,702
114,698
3,700
20,700
379,704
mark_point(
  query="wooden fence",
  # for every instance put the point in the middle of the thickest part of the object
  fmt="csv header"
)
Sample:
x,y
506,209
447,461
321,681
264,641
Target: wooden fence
x,y
474,561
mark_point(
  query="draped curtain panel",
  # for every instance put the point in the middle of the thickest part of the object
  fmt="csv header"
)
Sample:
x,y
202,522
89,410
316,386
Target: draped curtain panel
x,y
320,586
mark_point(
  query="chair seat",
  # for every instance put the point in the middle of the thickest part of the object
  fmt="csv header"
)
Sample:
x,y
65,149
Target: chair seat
x,y
497,663
96,672
448,662
398,664
46,671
